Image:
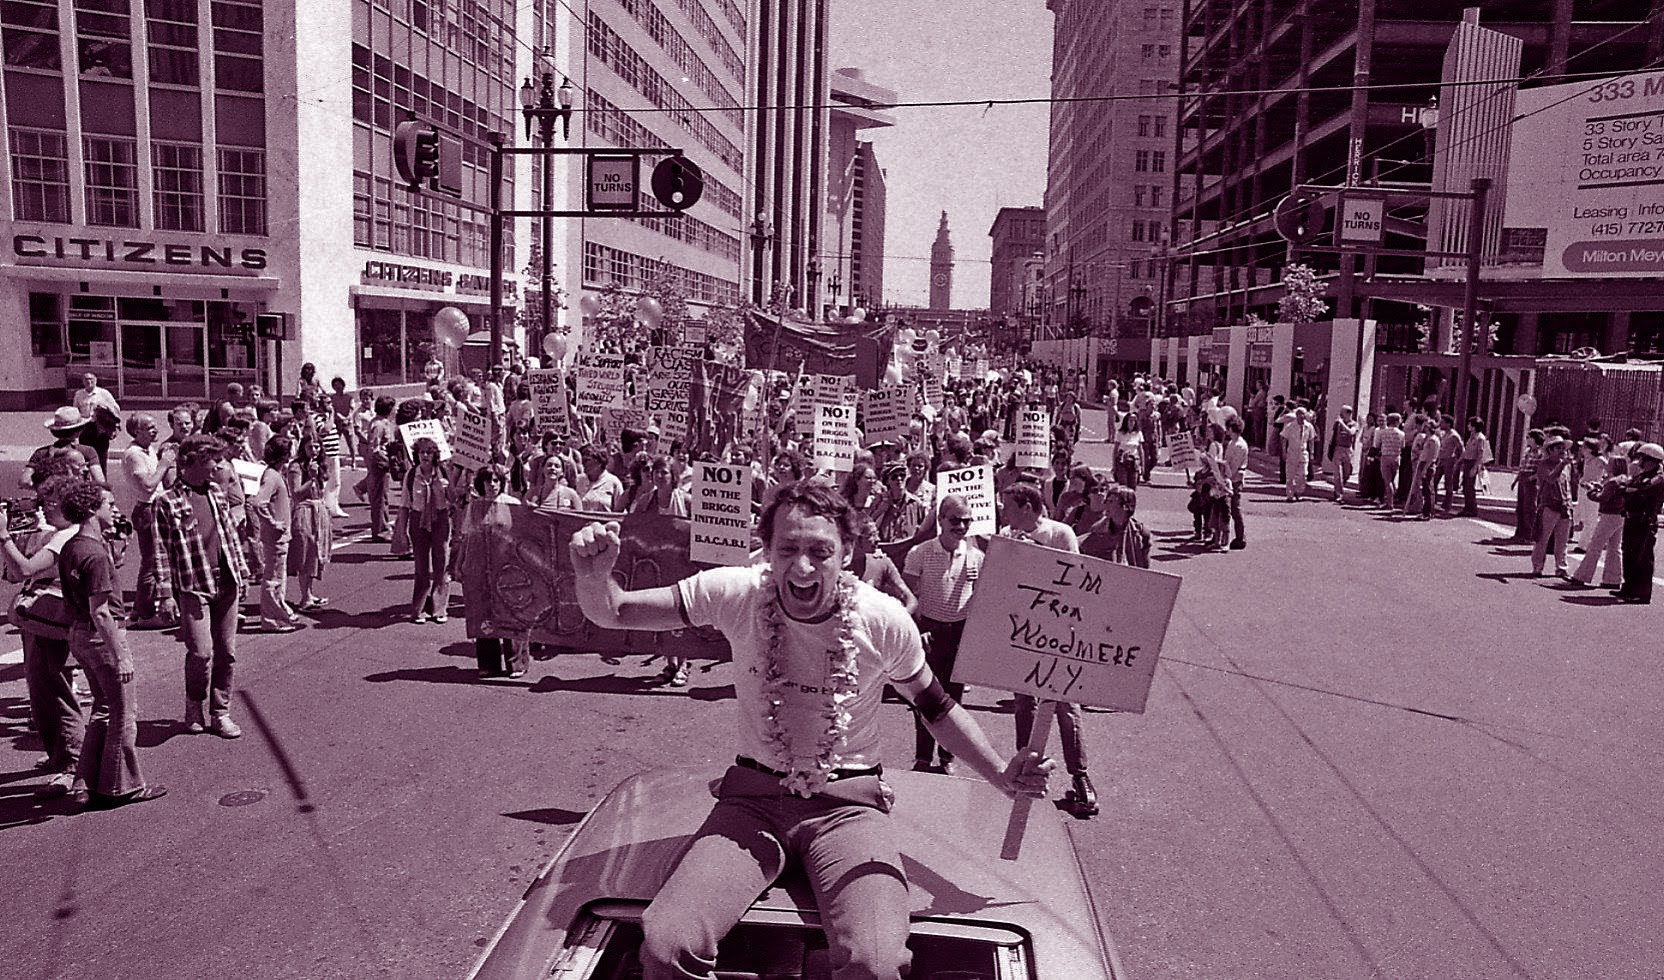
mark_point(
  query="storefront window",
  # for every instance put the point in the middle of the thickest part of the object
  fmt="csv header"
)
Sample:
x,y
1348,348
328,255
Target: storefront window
x,y
46,325
231,346
419,345
381,347
92,331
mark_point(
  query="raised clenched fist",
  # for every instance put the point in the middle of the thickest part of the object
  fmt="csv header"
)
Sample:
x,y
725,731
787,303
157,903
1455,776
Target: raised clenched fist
x,y
594,549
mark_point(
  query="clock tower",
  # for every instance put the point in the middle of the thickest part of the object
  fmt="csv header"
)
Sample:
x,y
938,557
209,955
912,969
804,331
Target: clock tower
x,y
941,268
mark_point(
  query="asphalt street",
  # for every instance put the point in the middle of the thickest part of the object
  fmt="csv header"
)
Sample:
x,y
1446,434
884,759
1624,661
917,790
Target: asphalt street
x,y
1373,748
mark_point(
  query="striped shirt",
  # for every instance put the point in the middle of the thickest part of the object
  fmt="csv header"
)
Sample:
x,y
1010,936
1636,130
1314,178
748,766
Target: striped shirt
x,y
945,578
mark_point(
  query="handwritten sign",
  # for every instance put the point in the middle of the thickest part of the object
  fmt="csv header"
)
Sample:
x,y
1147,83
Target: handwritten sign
x,y
976,485
720,518
835,438
616,418
669,382
473,440
1181,452
600,383
887,413
1034,436
1059,626
548,387
426,429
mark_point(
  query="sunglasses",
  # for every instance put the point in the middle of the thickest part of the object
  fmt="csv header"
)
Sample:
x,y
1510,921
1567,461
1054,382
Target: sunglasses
x,y
961,521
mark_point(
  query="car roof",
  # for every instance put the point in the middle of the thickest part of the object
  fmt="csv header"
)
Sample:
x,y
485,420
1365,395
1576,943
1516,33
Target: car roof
x,y
949,831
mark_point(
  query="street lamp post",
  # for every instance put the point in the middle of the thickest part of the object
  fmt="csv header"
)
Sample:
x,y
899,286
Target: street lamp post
x,y
837,285
813,304
545,104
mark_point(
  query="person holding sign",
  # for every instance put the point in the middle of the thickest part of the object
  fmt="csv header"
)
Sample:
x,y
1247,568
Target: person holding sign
x,y
813,648
1024,511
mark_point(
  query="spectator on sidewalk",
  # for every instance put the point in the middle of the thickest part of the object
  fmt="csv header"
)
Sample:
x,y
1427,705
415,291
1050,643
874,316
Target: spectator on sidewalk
x,y
1476,455
1449,467
97,404
1554,507
143,469
387,462
1298,434
1607,534
1343,437
1525,489
1389,446
272,512
1643,497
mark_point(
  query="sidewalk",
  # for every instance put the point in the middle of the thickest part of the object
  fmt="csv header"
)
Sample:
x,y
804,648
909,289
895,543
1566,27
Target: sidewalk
x,y
1496,506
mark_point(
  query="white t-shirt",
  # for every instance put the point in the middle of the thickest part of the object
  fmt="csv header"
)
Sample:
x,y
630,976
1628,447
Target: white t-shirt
x,y
887,644
137,465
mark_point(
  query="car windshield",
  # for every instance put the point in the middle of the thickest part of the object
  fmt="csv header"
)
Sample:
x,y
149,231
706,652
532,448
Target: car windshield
x,y
607,939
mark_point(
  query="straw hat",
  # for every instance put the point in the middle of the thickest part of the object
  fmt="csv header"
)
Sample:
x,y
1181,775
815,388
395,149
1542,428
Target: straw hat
x,y
66,419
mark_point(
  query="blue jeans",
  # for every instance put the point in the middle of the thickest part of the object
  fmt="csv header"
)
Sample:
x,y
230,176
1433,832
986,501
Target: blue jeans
x,y
1068,728
52,700
208,625
844,842
109,762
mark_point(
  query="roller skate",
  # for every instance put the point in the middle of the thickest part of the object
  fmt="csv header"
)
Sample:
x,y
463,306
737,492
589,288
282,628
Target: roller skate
x,y
1081,800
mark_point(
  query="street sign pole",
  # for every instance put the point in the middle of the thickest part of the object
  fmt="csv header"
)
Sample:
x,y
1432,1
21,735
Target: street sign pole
x,y
1470,294
495,203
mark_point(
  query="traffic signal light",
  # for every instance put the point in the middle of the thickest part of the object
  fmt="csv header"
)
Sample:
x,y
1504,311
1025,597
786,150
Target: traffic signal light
x,y
678,183
423,154
1301,217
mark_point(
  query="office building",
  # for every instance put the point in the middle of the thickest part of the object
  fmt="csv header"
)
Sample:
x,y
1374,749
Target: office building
x,y
790,86
852,252
1108,180
643,68
1018,234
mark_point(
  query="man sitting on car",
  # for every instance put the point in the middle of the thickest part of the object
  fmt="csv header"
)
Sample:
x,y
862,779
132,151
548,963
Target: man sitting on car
x,y
813,648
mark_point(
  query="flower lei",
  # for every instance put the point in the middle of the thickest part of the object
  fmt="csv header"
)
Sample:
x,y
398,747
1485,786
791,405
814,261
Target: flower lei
x,y
807,775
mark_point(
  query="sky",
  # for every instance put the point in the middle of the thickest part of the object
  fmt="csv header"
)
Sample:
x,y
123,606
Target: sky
x,y
968,161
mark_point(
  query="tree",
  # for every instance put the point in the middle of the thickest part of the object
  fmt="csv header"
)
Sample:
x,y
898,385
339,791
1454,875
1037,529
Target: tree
x,y
618,326
1302,300
530,317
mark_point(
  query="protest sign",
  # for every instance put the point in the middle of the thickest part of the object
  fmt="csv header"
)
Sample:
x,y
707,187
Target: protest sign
x,y
835,438
1181,452
1034,436
887,413
669,381
616,418
933,392
1065,627
720,518
548,387
426,429
976,485
815,390
600,383
248,474
473,440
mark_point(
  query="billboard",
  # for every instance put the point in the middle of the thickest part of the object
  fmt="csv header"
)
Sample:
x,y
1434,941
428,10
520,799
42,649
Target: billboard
x,y
1586,181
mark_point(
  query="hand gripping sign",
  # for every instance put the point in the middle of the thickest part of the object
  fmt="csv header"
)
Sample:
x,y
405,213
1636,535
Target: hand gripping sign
x,y
1059,626
1034,437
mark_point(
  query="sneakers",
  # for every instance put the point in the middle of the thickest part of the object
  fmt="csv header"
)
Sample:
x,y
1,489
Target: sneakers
x,y
1082,798
1238,544
58,785
224,727
196,717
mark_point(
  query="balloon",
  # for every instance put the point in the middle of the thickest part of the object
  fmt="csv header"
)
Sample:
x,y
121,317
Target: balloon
x,y
450,326
858,314
649,311
904,336
933,335
590,305
554,344
892,374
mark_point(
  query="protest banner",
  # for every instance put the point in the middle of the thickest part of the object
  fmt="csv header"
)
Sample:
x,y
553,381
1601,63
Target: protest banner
x,y
616,418
1034,436
518,581
1059,626
719,520
426,429
669,380
835,438
600,383
473,440
975,484
548,386
1181,452
887,413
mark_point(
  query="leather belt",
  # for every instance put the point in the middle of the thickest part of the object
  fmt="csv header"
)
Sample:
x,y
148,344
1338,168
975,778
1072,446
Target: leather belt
x,y
832,777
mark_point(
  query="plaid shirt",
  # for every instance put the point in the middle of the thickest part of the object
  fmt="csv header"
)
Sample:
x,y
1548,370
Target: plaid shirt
x,y
182,560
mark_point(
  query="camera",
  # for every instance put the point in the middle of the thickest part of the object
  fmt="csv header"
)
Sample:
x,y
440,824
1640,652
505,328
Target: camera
x,y
120,529
21,514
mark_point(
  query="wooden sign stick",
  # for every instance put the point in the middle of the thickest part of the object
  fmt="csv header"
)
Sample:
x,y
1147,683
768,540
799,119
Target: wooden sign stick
x,y
1045,713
